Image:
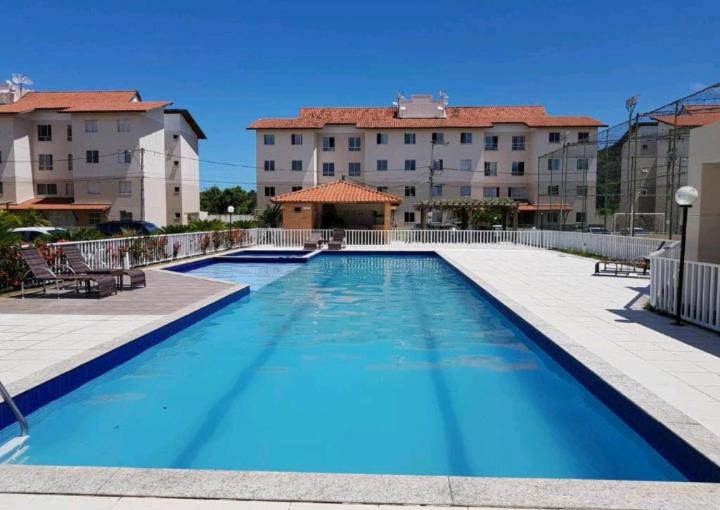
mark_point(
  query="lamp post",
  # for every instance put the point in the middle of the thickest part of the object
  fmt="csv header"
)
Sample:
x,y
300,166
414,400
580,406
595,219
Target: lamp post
x,y
685,198
230,211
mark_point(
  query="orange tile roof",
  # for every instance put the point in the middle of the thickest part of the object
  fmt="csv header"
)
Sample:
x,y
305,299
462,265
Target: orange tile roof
x,y
338,192
692,116
78,102
458,116
544,207
56,204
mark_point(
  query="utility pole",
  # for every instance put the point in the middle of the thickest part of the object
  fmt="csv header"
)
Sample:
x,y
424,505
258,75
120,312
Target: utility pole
x,y
431,176
142,183
630,104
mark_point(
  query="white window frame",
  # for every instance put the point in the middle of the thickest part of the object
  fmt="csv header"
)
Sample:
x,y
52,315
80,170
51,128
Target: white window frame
x,y
490,169
354,143
45,162
91,126
354,169
553,190
466,165
92,157
328,169
381,165
409,191
381,139
296,165
410,165
328,143
269,191
410,138
518,142
518,168
124,156
123,125
553,164
93,187
269,165
466,138
465,191
554,137
296,139
487,189
125,187
268,139
438,138
582,164
491,142
409,216
437,190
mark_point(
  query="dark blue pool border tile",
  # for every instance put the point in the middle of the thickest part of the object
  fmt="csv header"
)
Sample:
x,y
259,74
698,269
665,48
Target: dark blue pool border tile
x,y
693,464
52,389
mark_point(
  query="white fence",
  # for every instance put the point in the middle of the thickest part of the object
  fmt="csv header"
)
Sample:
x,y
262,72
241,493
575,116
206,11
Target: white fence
x,y
603,245
144,250
701,290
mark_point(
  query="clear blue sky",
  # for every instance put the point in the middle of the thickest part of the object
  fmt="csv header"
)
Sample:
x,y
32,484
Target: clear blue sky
x,y
232,62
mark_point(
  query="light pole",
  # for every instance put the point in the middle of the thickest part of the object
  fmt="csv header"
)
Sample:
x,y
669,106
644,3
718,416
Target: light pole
x,y
230,211
685,198
630,104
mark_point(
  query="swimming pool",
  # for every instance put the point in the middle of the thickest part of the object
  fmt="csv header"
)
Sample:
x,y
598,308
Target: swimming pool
x,y
347,364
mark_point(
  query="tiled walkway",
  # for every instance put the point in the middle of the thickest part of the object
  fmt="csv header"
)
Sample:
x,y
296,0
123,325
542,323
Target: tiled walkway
x,y
24,502
606,315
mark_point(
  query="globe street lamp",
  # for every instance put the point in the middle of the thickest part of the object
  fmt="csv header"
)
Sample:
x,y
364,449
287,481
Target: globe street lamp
x,y
685,198
230,211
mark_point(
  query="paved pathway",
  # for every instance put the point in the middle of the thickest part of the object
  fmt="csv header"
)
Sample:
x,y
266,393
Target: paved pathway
x,y
606,315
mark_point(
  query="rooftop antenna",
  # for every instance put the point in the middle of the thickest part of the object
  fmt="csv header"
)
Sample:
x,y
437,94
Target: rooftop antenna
x,y
18,80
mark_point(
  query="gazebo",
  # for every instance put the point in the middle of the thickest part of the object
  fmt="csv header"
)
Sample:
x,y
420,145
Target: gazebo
x,y
468,209
338,204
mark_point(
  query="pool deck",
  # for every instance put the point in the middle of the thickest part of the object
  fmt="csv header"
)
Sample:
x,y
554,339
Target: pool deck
x,y
672,372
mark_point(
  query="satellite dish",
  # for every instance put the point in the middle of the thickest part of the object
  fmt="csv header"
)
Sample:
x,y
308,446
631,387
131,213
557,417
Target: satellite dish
x,y
18,80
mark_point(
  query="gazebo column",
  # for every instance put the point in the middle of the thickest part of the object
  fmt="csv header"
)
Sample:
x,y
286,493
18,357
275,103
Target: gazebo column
x,y
387,217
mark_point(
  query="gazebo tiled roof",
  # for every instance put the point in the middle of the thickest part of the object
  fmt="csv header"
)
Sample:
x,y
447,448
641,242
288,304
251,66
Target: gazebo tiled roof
x,y
338,192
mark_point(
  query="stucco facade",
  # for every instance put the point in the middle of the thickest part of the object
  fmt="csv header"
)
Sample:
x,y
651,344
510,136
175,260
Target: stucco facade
x,y
139,165
292,153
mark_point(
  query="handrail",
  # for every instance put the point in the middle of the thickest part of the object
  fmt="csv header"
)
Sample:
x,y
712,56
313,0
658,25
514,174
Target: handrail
x,y
14,408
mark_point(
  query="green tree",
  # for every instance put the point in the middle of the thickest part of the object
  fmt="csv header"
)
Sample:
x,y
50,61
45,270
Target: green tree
x,y
216,201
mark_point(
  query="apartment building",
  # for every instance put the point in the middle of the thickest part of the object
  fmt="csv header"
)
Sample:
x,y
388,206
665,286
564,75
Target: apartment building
x,y
80,158
470,151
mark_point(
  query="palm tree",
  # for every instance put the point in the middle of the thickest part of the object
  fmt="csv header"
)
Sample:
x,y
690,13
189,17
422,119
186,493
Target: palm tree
x,y
271,217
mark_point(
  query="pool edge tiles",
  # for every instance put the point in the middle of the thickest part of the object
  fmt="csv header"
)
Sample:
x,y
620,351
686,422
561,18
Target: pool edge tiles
x,y
666,429
41,388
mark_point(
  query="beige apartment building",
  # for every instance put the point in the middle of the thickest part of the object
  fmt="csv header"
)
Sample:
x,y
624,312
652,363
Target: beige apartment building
x,y
80,158
476,152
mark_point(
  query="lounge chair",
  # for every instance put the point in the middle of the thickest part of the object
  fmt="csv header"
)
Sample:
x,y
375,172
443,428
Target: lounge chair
x,y
41,272
76,262
618,266
313,243
338,239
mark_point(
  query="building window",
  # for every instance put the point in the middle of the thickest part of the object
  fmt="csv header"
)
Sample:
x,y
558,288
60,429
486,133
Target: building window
x,y
94,218
381,138
93,188
47,189
465,191
554,137
437,164
409,164
176,190
296,139
382,189
296,188
518,168
580,217
381,165
70,162
438,138
466,165
69,132
518,193
437,190
583,164
553,164
518,143
354,144
328,169
491,143
91,126
553,190
45,161
1,188
124,157
409,216
125,215
553,217
269,191
409,138
269,165
491,192
465,137
268,139
581,191
328,143
409,191
92,156
123,126
354,169
125,187
583,137
296,165
69,189
490,168
44,133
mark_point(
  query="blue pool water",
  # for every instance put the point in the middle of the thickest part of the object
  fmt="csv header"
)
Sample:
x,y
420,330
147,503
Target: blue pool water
x,y
346,364
257,275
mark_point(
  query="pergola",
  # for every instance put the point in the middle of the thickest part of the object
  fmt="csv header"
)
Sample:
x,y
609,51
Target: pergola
x,y
467,208
338,204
